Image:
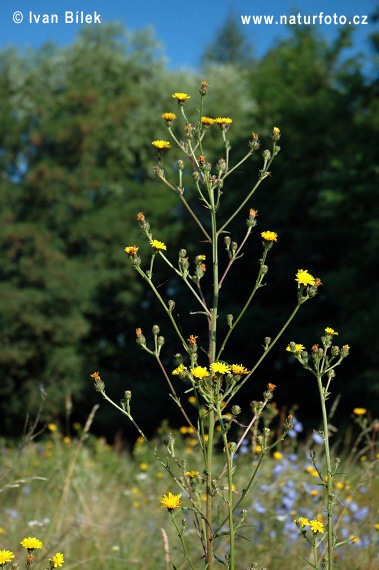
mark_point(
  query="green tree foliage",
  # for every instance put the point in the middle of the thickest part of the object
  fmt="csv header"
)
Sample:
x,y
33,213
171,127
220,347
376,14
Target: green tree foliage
x,y
230,46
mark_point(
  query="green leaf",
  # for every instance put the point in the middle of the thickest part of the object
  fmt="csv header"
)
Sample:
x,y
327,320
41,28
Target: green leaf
x,y
307,562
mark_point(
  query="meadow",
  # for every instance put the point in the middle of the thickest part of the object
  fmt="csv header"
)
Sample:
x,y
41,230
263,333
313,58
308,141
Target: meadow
x,y
100,504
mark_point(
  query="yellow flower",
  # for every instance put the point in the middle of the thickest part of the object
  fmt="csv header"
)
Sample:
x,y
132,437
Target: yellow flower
x,y
181,97
207,121
169,116
314,493
159,475
199,372
76,425
52,427
2,530
220,368
143,466
269,236
201,257
5,556
161,144
276,131
183,429
131,249
223,121
192,473
317,526
302,521
339,485
359,411
298,348
330,331
239,369
171,501
192,400
157,244
277,455
258,449
31,543
376,526
57,559
140,440
66,439
181,368
305,278
354,538
136,504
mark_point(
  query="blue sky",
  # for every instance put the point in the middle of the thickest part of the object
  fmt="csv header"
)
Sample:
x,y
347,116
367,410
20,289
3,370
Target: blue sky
x,y
183,27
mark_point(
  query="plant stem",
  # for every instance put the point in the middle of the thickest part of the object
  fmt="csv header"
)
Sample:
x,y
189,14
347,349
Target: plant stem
x,y
329,473
180,535
230,487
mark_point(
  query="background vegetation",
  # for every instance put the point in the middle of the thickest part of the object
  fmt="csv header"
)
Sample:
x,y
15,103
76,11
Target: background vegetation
x,y
76,126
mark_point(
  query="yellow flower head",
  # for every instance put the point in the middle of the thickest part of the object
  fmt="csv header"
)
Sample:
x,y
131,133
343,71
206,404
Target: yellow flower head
x,y
298,348
239,369
5,556
181,97
192,473
359,411
317,526
258,449
207,121
161,144
57,560
143,466
330,331
31,543
305,278
179,370
376,526
192,400
201,258
52,427
169,116
354,538
157,244
223,121
171,501
314,493
199,372
277,455
269,236
131,249
276,131
220,368
302,521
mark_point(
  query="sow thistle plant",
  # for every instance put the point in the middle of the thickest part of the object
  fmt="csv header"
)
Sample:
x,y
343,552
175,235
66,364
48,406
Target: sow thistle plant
x,y
212,381
30,544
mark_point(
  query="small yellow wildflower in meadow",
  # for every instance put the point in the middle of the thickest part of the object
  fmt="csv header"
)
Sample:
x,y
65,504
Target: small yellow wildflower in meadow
x,y
354,538
192,400
160,145
238,369
171,501
57,560
317,526
304,278
314,473
223,121
5,556
31,543
179,370
131,249
257,449
181,97
159,475
77,425
298,348
66,439
199,372
201,257
207,121
314,493
330,331
364,458
136,504
143,466
376,526
183,429
276,131
140,440
219,368
269,236
359,411
169,116
277,455
2,530
52,427
192,473
339,485
158,245
302,521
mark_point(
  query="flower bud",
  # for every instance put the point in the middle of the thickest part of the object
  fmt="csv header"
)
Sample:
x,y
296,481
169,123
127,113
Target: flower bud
x,y
227,242
234,246
275,134
232,447
264,269
128,395
267,341
229,320
180,165
335,350
288,423
266,154
184,523
156,329
345,350
203,88
195,176
171,305
221,165
141,340
251,221
254,143
182,253
159,172
160,341
236,410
